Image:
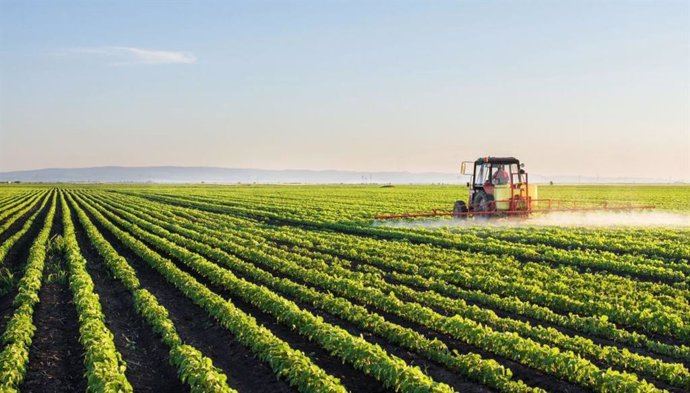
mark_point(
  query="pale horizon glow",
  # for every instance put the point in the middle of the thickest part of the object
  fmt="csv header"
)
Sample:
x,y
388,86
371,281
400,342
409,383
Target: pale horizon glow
x,y
573,88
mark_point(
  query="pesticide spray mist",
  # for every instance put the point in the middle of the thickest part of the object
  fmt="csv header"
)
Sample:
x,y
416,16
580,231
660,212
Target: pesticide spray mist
x,y
647,219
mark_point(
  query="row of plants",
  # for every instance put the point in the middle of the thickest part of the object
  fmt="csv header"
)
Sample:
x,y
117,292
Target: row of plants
x,y
471,365
562,280
647,314
675,374
292,204
672,373
371,251
565,365
105,368
643,310
434,238
430,279
208,243
21,210
20,329
16,204
192,366
8,199
292,365
651,242
597,326
642,266
371,359
7,278
664,289
592,239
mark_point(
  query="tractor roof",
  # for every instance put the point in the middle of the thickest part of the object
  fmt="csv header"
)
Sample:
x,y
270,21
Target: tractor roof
x,y
497,160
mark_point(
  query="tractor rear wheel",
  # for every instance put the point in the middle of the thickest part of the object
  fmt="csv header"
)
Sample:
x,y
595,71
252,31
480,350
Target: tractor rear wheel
x,y
484,202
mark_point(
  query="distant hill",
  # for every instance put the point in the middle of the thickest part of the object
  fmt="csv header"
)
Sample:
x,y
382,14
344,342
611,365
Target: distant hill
x,y
173,174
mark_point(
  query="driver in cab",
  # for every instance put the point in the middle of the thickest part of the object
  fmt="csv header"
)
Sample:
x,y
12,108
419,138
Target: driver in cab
x,y
501,176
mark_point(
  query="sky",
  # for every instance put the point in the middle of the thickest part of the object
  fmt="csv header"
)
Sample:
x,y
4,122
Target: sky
x,y
590,88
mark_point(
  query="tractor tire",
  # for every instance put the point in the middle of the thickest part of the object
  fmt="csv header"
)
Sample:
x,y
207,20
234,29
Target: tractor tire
x,y
484,203
460,207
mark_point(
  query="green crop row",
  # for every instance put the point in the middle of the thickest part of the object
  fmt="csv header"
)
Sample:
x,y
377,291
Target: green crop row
x,y
11,200
10,241
438,240
192,366
473,366
368,251
20,329
674,374
105,369
563,364
286,362
652,318
625,264
598,240
371,359
7,279
20,207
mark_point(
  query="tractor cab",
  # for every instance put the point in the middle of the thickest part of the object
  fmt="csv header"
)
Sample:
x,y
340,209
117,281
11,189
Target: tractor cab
x,y
497,184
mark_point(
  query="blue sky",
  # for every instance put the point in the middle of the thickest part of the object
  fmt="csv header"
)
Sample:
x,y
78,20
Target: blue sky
x,y
571,88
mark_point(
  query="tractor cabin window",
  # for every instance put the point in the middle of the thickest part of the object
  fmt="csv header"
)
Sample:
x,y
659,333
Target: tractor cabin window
x,y
497,174
500,173
481,174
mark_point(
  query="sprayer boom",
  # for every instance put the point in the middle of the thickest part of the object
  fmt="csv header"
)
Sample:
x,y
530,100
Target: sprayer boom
x,y
554,206
500,187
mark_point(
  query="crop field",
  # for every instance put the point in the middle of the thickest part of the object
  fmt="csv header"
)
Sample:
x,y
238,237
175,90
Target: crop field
x,y
253,288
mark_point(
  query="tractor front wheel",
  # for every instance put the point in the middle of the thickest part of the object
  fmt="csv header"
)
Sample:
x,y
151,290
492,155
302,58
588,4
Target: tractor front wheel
x,y
460,207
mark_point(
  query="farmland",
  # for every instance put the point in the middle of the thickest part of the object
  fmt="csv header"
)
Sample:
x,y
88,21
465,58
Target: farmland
x,y
254,288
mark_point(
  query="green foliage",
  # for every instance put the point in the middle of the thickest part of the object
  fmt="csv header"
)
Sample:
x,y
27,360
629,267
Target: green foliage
x,y
20,329
55,272
194,368
105,369
296,367
602,308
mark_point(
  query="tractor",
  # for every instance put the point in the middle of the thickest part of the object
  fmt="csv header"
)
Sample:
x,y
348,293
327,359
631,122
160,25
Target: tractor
x,y
500,187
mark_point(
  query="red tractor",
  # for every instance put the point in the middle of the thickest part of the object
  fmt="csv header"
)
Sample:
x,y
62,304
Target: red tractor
x,y
500,187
